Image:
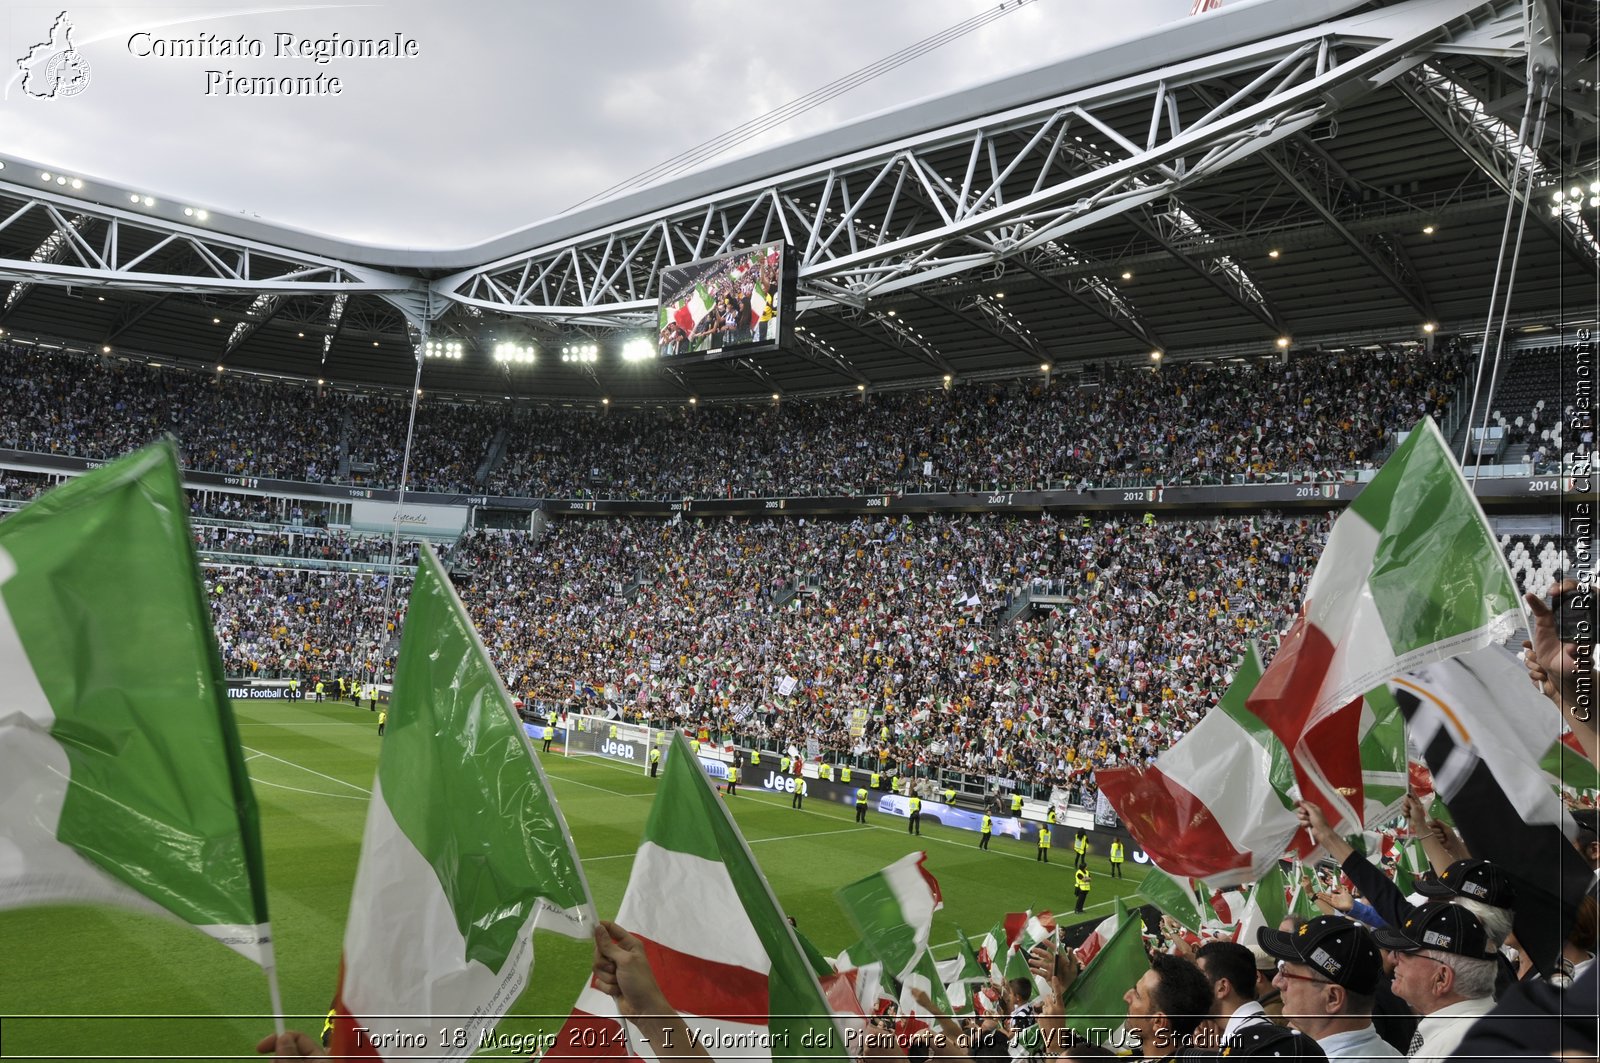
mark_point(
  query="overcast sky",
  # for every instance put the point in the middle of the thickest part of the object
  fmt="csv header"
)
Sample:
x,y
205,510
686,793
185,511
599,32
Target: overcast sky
x,y
510,111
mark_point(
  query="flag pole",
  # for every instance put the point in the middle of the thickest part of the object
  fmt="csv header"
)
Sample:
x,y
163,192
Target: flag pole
x,y
277,998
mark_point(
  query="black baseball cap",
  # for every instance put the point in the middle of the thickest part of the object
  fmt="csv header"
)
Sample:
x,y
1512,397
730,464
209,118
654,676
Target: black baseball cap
x,y
1268,1039
1441,926
1341,949
1478,879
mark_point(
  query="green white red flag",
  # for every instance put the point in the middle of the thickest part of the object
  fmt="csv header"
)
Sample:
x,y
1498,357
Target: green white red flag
x,y
718,942
1411,574
465,852
1215,806
121,777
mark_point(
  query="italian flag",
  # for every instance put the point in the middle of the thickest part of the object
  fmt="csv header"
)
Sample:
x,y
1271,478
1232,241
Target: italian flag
x,y
1411,574
718,942
1036,931
758,302
1215,806
1094,1001
121,778
893,911
465,852
1265,905
1569,768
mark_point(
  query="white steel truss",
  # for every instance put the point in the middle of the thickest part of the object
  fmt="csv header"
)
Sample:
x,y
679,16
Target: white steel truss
x,y
1007,189
115,248
972,195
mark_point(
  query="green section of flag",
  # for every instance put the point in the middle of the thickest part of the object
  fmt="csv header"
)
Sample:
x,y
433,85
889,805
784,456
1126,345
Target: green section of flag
x,y
819,963
1437,570
1384,771
688,817
108,604
1569,769
1094,1002
1270,897
971,969
1248,674
1173,896
461,781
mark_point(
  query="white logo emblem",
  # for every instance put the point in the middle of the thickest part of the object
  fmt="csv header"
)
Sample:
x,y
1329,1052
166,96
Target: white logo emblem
x,y
54,68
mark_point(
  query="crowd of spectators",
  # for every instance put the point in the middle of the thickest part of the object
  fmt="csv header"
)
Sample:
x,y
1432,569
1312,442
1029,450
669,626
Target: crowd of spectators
x,y
1189,423
896,621
1315,415
314,544
301,624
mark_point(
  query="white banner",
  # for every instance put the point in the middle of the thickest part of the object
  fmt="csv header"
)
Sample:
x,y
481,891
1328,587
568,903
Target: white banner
x,y
415,519
786,685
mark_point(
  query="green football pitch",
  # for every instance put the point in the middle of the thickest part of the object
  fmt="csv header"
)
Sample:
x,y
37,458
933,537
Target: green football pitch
x,y
99,983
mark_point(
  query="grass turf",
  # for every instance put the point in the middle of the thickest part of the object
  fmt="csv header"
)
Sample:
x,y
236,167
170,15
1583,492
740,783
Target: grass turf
x,y
92,982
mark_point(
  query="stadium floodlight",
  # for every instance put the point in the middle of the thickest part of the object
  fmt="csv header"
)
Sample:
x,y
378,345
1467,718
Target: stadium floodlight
x,y
508,353
1428,326
1127,274
1427,230
1274,253
580,353
861,387
1155,356
1283,342
638,349
693,400
1044,367
448,350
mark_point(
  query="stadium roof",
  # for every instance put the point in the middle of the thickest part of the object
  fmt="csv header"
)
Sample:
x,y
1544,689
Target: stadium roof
x,y
1329,172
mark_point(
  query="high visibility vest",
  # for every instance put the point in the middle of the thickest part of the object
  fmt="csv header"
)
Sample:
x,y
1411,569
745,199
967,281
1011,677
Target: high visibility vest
x,y
319,686
876,780
844,773
1116,852
733,775
1050,816
549,732
294,684
916,804
343,686
988,824
883,733
755,757
800,787
613,732
825,771
1080,879
1016,802
383,717
1080,844
1044,838
861,795
949,797
655,756
327,1027
783,764
694,746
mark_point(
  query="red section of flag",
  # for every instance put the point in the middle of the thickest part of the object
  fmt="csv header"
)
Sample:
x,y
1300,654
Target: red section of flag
x,y
350,1034
1015,921
704,987
1284,698
1174,827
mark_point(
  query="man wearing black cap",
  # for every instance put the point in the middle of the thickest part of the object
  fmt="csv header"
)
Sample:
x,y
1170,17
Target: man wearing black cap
x,y
1445,971
1482,886
1328,974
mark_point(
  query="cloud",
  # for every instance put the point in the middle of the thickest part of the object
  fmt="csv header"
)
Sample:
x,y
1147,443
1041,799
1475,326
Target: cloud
x,y
512,112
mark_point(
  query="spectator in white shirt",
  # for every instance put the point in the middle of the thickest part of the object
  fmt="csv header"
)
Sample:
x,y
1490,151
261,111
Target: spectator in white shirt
x,y
1444,970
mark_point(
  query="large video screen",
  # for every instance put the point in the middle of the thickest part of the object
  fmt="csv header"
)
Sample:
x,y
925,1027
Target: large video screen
x,y
738,303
